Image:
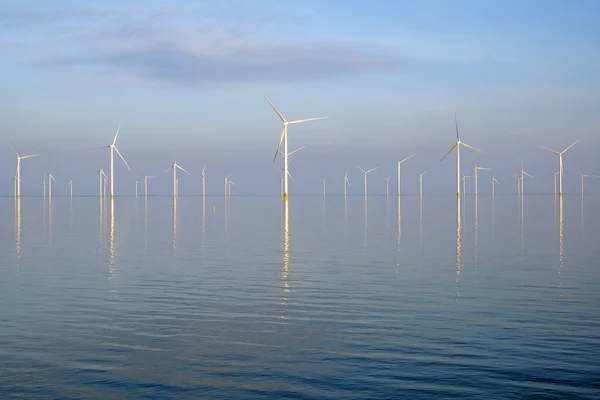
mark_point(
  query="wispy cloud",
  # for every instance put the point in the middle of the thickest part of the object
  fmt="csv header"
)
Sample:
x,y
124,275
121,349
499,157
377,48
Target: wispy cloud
x,y
192,45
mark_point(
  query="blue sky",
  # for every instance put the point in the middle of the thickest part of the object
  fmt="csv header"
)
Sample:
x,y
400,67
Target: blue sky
x,y
184,78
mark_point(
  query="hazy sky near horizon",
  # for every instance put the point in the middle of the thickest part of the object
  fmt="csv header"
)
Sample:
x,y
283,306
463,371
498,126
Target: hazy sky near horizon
x,y
187,77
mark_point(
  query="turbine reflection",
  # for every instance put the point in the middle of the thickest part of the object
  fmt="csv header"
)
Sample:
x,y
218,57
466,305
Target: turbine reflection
x,y
18,231
458,249
561,243
399,217
286,255
174,226
112,258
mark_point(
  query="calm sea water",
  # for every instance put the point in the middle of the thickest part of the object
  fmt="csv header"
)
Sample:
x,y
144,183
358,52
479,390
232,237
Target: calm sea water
x,y
327,299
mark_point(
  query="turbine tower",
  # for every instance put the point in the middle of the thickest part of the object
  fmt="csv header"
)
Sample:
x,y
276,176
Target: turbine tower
x,y
560,164
398,163
346,183
146,185
421,182
284,138
475,169
18,171
494,181
203,181
554,179
522,174
113,148
583,176
457,147
366,173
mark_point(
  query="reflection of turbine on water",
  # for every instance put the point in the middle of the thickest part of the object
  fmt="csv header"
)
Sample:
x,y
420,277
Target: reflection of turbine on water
x,y
101,223
366,219
49,219
560,241
458,249
522,227
112,258
399,214
421,222
18,230
286,255
174,225
145,224
476,235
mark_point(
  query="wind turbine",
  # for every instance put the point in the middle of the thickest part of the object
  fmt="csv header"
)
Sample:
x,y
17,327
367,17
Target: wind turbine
x,y
387,186
421,182
457,147
516,176
366,173
113,148
522,175
324,187
146,184
494,181
346,183
560,164
284,138
175,167
586,176
18,170
45,176
398,163
136,187
464,178
71,187
229,183
475,169
50,179
203,181
554,179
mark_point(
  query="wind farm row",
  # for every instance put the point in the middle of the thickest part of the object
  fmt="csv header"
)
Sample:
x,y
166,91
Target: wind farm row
x,y
107,182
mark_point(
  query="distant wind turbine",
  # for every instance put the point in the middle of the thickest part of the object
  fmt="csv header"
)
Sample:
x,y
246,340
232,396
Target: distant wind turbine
x,y
560,164
346,183
146,184
71,187
50,179
494,181
421,182
102,178
522,174
284,138
204,181
475,169
387,186
229,183
136,187
18,170
366,173
398,164
45,176
554,179
113,148
175,167
457,147
464,178
324,187
583,176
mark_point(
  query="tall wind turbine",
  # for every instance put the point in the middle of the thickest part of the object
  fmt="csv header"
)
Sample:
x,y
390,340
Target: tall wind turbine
x,y
50,179
554,179
346,183
475,169
284,138
522,174
366,173
560,164
203,180
387,186
586,176
18,170
457,147
175,167
113,148
421,182
399,163
494,181
146,184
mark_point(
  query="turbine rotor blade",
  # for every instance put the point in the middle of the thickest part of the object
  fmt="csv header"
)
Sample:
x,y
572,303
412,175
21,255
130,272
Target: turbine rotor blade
x,y
13,149
116,135
412,155
29,156
298,121
279,145
181,168
550,150
361,169
471,147
450,151
298,149
371,170
456,124
120,155
572,144
274,108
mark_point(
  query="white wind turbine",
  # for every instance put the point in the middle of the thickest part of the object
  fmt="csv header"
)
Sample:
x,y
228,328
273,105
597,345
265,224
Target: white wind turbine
x,y
203,180
346,183
366,173
464,178
146,184
475,169
457,147
289,174
18,170
387,186
175,167
421,182
45,176
586,176
324,187
560,164
71,188
136,187
494,181
50,179
229,183
102,179
113,148
518,178
284,138
522,174
554,179
399,163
